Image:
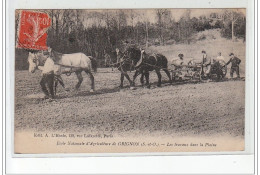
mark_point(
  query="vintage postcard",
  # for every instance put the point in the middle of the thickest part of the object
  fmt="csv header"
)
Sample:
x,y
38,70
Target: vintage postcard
x,y
129,80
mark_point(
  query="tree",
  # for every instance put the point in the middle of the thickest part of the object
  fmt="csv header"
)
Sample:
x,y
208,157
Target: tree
x,y
163,16
231,16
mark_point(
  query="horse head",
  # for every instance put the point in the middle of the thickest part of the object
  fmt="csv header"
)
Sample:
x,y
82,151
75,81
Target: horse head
x,y
134,54
33,62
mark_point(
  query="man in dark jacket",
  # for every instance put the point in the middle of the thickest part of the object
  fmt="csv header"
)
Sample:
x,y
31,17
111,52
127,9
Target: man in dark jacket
x,y
234,65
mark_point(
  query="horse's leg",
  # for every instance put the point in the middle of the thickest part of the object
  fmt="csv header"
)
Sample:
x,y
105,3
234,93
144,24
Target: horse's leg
x,y
142,79
59,80
159,77
124,73
128,78
80,78
50,82
43,86
137,72
122,80
168,74
146,74
56,82
91,79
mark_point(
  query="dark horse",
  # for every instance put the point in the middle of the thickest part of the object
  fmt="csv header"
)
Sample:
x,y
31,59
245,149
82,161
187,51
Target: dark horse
x,y
124,64
145,63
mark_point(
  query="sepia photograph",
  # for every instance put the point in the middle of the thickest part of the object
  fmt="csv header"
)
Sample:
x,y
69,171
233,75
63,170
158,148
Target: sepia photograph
x,y
129,80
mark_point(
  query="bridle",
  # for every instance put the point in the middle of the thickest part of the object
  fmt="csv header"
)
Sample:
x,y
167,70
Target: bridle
x,y
121,58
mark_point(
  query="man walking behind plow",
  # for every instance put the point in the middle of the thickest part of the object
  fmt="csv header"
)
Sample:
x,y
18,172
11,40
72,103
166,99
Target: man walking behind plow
x,y
48,77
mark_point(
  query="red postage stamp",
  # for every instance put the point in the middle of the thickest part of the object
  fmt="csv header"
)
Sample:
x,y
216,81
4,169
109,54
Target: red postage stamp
x,y
32,30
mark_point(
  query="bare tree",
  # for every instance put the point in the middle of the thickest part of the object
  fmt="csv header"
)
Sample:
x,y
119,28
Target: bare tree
x,y
164,17
144,18
56,14
231,15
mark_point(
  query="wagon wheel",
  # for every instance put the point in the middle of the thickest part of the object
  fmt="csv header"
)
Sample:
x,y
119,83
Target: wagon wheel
x,y
196,76
224,70
174,75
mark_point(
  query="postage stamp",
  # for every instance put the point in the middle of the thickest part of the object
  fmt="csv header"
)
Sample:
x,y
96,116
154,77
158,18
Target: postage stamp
x,y
130,80
32,30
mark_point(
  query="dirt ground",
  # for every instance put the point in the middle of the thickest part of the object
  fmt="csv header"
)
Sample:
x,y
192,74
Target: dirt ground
x,y
180,109
205,108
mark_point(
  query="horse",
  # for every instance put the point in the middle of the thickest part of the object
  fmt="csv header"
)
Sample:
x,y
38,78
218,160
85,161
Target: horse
x,y
145,63
57,73
37,62
77,63
118,59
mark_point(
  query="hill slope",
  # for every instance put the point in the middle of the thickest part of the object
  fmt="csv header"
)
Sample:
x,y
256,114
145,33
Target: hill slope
x,y
210,41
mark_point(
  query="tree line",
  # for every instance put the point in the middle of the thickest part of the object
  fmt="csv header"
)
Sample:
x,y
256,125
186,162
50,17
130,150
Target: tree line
x,y
99,32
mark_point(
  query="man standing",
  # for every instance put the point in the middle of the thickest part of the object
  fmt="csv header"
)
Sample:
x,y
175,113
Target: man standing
x,y
47,77
234,65
206,64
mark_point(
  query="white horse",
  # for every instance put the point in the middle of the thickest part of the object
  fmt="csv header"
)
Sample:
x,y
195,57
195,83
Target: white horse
x,y
40,59
76,62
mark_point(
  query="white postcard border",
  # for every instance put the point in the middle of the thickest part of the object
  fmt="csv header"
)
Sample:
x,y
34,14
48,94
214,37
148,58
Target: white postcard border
x,y
115,4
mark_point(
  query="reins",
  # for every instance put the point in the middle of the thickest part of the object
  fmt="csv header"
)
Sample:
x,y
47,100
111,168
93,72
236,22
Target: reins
x,y
121,63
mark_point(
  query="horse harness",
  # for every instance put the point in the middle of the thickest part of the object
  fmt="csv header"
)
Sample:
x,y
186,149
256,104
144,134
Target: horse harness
x,y
122,61
156,60
53,57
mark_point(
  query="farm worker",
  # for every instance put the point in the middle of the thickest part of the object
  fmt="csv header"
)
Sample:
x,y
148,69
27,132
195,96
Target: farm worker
x,y
220,57
49,69
177,62
47,77
206,64
235,61
57,70
181,58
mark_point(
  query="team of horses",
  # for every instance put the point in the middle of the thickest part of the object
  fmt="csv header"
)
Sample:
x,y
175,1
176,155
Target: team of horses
x,y
132,59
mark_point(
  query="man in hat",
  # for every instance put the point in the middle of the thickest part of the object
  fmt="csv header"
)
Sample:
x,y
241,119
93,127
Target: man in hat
x,y
235,61
181,56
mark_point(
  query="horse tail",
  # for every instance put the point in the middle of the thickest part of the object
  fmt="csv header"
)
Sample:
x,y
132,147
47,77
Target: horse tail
x,y
94,64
